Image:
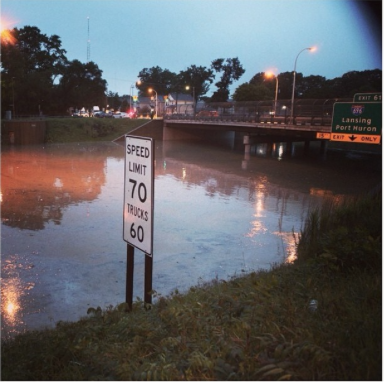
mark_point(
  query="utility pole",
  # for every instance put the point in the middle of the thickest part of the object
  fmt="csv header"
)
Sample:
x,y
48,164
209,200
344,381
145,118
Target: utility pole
x,y
88,45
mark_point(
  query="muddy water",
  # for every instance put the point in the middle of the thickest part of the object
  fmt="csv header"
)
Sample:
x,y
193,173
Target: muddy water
x,y
217,214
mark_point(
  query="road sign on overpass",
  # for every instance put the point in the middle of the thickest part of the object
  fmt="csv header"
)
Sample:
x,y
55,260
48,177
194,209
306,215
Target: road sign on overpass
x,y
357,122
367,97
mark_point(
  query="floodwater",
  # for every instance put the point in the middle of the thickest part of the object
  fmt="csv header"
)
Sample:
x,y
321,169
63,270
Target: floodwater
x,y
216,214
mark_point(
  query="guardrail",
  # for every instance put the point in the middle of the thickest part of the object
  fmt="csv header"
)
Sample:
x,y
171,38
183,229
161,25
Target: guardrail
x,y
314,112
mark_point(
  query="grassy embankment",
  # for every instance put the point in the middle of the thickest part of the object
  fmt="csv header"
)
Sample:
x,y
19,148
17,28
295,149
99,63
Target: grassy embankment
x,y
61,130
259,326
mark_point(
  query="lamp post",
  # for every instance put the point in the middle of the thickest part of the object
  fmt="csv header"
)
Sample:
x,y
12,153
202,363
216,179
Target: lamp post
x,y
193,96
285,113
294,80
13,96
130,99
270,74
150,90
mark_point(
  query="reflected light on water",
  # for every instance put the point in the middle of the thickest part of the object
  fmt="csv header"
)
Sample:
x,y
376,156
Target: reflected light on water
x,y
290,240
58,183
10,301
257,225
14,293
320,192
280,152
259,205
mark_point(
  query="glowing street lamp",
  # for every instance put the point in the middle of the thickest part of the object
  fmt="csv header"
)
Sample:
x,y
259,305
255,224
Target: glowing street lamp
x,y
130,98
294,79
193,95
269,75
150,90
13,96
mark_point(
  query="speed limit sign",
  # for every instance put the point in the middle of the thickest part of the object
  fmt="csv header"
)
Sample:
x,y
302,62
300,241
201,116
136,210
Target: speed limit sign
x,y
138,193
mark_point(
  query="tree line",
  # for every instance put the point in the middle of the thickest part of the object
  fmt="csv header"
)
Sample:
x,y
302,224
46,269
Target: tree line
x,y
37,78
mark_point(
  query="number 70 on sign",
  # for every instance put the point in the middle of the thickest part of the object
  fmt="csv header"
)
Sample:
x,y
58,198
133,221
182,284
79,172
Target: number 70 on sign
x,y
138,193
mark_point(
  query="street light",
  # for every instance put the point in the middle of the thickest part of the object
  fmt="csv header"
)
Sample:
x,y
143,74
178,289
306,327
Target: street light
x,y
13,96
150,90
130,99
193,95
268,75
294,80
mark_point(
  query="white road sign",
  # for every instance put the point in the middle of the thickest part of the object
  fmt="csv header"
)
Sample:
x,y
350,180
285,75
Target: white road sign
x,y
138,193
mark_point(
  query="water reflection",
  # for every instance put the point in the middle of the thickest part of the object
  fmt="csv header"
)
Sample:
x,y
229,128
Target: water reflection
x,y
38,183
14,292
62,246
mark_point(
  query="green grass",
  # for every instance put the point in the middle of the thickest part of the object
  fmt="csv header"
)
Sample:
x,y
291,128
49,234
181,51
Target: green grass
x,y
255,327
61,130
344,234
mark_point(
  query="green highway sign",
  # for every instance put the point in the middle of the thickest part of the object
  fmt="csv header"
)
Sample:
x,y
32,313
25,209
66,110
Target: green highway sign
x,y
357,122
367,97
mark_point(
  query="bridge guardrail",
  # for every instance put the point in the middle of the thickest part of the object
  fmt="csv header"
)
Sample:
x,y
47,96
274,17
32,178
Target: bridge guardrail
x,y
314,112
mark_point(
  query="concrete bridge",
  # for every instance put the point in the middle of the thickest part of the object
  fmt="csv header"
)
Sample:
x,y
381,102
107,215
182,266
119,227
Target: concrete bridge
x,y
234,133
238,135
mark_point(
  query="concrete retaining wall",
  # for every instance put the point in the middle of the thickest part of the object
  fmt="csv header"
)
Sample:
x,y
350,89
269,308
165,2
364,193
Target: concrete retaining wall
x,y
23,132
153,129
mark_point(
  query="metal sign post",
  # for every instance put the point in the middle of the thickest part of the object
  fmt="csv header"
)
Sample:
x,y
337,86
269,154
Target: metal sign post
x,y
138,209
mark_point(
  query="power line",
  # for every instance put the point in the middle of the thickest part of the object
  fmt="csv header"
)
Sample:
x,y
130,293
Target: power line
x,y
88,45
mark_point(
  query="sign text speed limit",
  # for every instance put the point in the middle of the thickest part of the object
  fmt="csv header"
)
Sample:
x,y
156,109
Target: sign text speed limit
x,y
138,193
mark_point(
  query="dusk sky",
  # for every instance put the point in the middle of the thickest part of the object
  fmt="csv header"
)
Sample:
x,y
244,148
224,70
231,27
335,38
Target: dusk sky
x,y
129,35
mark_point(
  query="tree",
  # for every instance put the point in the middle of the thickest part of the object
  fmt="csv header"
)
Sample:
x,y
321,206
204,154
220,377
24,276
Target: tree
x,y
161,80
251,92
354,82
311,87
285,83
30,65
125,102
198,78
113,100
231,70
317,87
82,85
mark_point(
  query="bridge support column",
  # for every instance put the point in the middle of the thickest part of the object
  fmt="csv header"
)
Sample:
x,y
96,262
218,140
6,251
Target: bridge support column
x,y
289,148
247,151
323,146
306,146
269,149
323,149
247,144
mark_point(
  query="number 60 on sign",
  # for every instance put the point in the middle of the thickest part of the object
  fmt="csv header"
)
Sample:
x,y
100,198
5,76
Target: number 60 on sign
x,y
138,193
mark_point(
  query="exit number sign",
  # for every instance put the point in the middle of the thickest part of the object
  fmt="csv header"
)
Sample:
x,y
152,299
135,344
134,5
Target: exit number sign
x,y
139,193
367,97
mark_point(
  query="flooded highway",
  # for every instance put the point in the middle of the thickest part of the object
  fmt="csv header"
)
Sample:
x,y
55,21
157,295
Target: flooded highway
x,y
217,214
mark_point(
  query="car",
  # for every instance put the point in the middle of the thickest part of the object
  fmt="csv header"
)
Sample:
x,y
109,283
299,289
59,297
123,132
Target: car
x,y
120,114
81,114
103,114
208,113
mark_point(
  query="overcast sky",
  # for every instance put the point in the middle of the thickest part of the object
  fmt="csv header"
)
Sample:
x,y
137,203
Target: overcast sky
x,y
129,35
